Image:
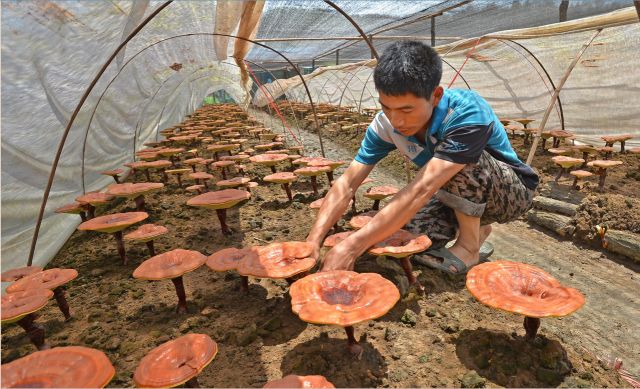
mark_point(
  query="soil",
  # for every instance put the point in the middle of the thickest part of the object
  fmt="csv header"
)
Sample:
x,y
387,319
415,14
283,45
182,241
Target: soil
x,y
445,339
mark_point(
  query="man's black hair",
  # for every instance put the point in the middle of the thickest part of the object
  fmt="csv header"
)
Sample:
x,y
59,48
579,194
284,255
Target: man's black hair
x,y
408,67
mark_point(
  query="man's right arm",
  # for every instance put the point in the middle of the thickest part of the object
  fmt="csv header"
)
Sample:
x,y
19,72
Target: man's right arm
x,y
336,202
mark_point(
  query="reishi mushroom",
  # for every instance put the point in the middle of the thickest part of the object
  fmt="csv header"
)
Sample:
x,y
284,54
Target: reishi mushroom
x,y
92,200
19,307
343,298
523,289
229,258
173,265
52,279
114,224
402,244
59,367
146,233
74,208
135,190
312,172
270,160
278,260
113,173
220,201
565,163
284,179
18,273
377,193
578,175
602,166
362,219
176,362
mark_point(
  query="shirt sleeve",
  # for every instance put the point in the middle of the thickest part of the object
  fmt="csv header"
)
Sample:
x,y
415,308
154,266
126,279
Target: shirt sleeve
x,y
373,148
465,137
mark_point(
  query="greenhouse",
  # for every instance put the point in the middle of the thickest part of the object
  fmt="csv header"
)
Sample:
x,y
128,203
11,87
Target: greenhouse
x,y
320,193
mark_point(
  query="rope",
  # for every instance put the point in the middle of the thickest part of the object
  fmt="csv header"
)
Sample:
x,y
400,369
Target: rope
x,y
272,103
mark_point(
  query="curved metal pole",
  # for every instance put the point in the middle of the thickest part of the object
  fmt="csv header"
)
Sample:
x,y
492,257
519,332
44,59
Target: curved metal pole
x,y
353,22
370,94
97,77
330,97
84,97
561,113
455,70
353,75
334,75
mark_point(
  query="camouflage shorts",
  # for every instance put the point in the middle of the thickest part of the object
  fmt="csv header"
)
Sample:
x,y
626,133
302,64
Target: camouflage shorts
x,y
489,189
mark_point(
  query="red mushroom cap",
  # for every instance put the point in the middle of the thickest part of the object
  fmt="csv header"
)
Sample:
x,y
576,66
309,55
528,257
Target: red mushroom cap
x,y
171,264
17,305
401,244
381,192
46,279
298,381
146,232
229,258
361,220
220,199
278,260
18,273
129,189
113,222
334,239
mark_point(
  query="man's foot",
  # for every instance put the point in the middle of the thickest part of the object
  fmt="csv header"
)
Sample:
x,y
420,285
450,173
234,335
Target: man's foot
x,y
449,261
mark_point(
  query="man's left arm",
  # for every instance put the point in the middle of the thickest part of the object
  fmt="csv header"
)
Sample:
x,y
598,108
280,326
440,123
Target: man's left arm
x,y
404,205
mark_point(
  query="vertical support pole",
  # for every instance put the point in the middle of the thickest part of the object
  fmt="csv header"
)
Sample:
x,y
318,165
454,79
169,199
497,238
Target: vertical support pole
x,y
313,65
433,31
337,56
564,7
371,40
637,4
556,92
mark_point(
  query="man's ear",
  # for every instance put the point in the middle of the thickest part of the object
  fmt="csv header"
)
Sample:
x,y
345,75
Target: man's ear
x,y
437,94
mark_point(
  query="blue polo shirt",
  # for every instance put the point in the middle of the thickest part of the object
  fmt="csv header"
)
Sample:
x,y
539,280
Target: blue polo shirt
x,y
463,125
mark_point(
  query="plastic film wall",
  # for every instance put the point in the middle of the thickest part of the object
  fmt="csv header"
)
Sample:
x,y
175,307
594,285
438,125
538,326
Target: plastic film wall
x,y
50,54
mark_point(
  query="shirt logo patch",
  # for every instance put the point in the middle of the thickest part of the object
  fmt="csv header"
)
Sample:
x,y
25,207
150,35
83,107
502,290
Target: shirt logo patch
x,y
412,148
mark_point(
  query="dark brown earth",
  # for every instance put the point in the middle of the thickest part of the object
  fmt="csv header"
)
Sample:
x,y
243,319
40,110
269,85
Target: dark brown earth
x,y
446,339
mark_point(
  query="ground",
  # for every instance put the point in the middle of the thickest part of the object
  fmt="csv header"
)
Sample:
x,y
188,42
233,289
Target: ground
x,y
445,339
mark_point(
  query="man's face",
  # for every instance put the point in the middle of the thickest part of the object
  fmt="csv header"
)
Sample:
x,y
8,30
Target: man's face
x,y
408,113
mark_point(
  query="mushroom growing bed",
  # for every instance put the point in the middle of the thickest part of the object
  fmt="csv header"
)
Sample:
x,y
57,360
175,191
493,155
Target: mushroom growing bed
x,y
421,342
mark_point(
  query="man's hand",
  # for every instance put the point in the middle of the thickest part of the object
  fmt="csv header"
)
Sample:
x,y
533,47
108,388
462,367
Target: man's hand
x,y
316,249
339,257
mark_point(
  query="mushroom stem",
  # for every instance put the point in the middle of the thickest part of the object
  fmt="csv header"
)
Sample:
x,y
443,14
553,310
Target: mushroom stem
x,y
224,174
116,179
192,383
376,205
560,173
244,284
622,146
179,180
193,167
273,169
288,190
140,203
165,178
58,293
222,217
531,325
120,241
314,185
585,156
147,175
34,331
544,142
182,296
408,271
330,177
152,251
575,183
83,216
603,174
354,347
91,211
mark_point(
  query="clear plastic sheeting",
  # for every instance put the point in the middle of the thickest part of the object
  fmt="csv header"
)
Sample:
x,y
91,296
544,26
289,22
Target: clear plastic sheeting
x,y
599,98
51,51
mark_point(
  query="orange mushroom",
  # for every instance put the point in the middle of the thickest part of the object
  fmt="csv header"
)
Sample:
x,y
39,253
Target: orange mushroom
x,y
19,307
147,233
74,208
52,279
270,160
201,176
278,260
334,239
178,173
113,173
223,166
18,273
361,220
229,258
611,139
220,201
60,367
602,166
333,165
172,264
233,182
523,289
312,172
343,298
176,362
284,179
402,244
135,190
299,381
378,193
565,163
578,175
114,224
92,200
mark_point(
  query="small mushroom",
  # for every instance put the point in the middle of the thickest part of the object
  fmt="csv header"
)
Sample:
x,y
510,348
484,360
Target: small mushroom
x,y
611,139
285,179
333,165
92,200
343,298
113,173
171,264
223,166
178,173
176,362
147,233
278,260
220,201
201,176
270,160
602,167
332,240
378,193
233,182
19,307
195,189
135,191
52,279
559,135
606,151
402,244
312,172
565,163
74,208
361,220
60,367
299,381
114,224
524,289
229,258
578,175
